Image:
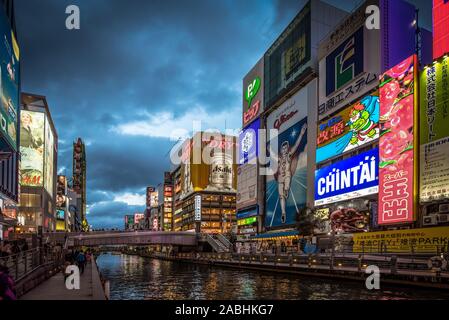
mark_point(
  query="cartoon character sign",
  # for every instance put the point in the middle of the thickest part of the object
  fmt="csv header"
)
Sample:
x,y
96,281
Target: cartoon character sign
x,y
349,129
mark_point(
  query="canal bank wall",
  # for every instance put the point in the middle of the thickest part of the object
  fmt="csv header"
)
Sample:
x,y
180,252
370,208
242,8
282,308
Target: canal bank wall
x,y
393,270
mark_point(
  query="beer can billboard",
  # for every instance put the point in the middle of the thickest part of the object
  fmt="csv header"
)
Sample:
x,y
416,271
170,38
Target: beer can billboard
x,y
434,131
352,127
253,90
286,190
397,144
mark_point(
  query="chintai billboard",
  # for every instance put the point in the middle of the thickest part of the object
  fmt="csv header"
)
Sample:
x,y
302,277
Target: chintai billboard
x,y
397,144
351,178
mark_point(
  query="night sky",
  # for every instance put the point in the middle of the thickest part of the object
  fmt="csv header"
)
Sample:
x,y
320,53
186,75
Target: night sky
x,y
138,71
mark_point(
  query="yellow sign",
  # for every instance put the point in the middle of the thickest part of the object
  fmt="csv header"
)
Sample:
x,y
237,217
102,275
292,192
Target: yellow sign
x,y
426,240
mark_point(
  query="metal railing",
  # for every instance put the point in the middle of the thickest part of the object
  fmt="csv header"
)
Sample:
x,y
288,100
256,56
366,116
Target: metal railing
x,y
24,263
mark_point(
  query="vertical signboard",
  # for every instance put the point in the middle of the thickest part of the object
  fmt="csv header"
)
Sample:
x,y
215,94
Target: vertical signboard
x,y
253,93
198,208
49,158
246,185
9,80
248,143
440,28
397,145
32,148
286,189
434,130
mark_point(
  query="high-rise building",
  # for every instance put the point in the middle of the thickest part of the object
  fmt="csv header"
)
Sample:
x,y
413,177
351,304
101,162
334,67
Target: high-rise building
x,y
39,154
9,119
79,179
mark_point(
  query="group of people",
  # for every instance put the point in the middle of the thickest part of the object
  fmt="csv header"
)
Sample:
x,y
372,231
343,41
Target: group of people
x,y
8,248
79,258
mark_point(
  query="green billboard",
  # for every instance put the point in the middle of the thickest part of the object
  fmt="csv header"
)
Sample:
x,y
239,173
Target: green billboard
x,y
434,101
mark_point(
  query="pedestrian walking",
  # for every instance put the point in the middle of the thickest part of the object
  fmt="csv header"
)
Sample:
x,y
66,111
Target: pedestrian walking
x,y
81,261
7,286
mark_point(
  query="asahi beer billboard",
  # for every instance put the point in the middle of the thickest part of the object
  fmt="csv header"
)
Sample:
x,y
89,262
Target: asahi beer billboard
x,y
351,128
347,179
10,81
216,173
397,144
247,175
253,84
434,129
286,189
32,148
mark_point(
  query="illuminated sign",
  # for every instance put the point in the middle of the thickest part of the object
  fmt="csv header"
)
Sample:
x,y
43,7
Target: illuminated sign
x,y
397,144
286,189
247,221
349,129
351,178
246,185
247,213
138,217
434,101
60,214
10,81
253,93
248,142
49,158
32,148
197,208
344,63
440,28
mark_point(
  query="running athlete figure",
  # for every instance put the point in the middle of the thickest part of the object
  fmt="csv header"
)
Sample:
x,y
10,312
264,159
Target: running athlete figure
x,y
284,174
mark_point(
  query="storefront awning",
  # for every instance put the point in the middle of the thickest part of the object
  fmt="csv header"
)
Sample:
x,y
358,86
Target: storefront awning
x,y
10,222
275,235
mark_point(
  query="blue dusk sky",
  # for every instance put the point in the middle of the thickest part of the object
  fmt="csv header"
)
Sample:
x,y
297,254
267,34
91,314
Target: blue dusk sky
x,y
136,71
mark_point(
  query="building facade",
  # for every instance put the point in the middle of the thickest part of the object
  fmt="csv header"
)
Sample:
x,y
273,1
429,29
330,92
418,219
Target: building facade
x,y
39,149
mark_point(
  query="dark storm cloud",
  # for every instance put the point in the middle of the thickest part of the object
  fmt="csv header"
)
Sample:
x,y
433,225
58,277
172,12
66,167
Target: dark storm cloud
x,y
133,58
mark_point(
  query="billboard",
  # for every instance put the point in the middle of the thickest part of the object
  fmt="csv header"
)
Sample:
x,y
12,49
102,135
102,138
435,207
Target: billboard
x,y
347,179
220,174
152,197
248,143
9,81
60,214
49,158
138,217
434,131
349,220
247,176
352,127
288,57
440,27
32,148
426,240
253,93
286,190
434,101
348,69
397,144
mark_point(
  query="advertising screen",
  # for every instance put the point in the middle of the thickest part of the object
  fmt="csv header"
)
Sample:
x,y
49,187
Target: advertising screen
x,y
397,144
138,217
286,189
32,148
434,130
246,185
349,220
253,93
288,57
440,27
60,214
350,128
248,143
10,80
348,71
49,158
347,179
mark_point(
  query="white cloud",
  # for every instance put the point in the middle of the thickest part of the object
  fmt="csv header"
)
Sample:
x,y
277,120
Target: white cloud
x,y
165,125
131,199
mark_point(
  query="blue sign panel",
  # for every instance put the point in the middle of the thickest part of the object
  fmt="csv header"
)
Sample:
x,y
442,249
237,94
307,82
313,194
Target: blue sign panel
x,y
248,213
248,142
351,178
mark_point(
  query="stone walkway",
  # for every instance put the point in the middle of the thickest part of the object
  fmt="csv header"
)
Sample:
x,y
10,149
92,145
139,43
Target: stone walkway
x,y
54,288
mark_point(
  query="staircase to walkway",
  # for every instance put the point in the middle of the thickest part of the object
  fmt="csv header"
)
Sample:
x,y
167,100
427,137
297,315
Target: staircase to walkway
x,y
218,242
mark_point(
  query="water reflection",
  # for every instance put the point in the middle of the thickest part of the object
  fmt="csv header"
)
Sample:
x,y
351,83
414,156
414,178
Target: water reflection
x,y
137,278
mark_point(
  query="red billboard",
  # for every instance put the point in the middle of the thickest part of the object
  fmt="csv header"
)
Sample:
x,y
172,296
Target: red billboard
x,y
397,144
440,28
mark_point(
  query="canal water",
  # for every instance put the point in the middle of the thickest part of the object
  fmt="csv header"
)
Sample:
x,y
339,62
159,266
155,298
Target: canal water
x,y
138,278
